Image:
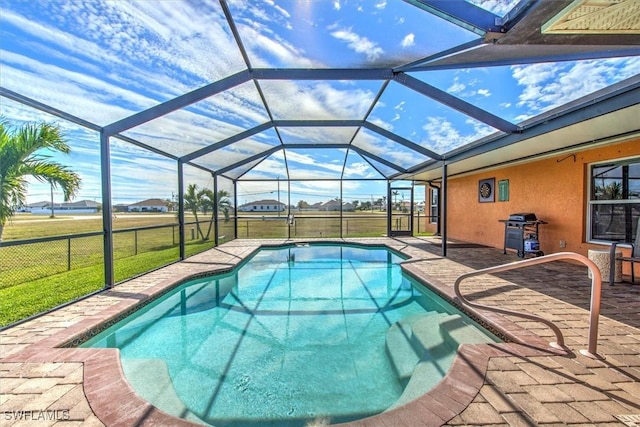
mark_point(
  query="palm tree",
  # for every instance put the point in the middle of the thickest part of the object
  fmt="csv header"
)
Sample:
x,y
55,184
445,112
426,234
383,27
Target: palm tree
x,y
209,200
20,158
204,200
224,203
192,203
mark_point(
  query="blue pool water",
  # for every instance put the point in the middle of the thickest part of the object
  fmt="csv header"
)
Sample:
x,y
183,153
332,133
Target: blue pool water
x,y
295,334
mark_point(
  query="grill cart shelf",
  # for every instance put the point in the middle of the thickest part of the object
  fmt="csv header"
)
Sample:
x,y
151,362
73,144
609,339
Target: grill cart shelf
x,y
521,234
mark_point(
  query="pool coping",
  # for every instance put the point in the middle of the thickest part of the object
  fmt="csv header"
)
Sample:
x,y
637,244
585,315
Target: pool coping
x,y
114,402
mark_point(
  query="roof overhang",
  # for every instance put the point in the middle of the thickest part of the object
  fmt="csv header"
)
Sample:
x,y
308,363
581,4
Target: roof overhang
x,y
609,119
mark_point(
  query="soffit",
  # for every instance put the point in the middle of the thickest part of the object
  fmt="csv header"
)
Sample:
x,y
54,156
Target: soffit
x,y
596,17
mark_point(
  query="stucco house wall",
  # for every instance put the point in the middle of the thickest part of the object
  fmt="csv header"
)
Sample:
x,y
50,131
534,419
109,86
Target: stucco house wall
x,y
555,189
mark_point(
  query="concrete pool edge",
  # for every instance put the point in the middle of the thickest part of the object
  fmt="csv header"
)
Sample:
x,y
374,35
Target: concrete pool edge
x,y
114,402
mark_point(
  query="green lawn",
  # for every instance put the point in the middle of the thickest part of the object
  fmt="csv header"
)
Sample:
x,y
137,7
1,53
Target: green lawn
x,y
32,297
39,276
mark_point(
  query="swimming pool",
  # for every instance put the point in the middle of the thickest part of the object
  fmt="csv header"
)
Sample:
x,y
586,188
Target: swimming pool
x,y
294,334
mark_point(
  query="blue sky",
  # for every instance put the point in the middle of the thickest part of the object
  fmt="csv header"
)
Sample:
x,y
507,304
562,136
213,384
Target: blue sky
x,y
105,60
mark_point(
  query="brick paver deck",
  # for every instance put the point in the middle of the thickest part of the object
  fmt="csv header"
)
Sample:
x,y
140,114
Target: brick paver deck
x,y
519,383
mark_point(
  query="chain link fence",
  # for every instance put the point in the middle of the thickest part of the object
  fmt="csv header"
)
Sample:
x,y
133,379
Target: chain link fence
x,y
27,260
319,226
39,274
23,261
45,272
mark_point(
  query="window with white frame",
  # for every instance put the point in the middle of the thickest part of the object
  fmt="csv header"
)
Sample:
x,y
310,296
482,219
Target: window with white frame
x,y
614,200
433,206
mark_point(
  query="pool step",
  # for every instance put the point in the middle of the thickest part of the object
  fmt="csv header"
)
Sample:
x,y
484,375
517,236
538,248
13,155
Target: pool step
x,y
151,380
433,340
437,336
400,349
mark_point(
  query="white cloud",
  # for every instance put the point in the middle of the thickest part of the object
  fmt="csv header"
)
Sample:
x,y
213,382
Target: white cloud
x,y
484,92
381,123
381,4
499,7
76,93
457,86
443,136
386,149
268,50
546,86
294,157
360,170
336,5
316,100
408,40
123,68
283,11
359,44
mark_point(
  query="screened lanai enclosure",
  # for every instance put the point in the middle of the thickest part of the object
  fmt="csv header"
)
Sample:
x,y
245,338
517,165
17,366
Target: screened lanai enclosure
x,y
299,119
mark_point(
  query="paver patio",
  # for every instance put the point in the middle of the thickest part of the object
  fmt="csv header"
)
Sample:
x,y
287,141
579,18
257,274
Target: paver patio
x,y
513,384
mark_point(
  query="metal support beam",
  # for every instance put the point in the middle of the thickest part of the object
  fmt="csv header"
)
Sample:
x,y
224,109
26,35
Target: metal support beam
x,y
416,65
235,208
181,228
144,146
289,216
385,162
412,210
443,209
341,214
318,123
250,159
507,55
216,231
389,209
402,141
177,103
7,93
107,209
321,74
231,140
455,103
311,146
516,14
462,13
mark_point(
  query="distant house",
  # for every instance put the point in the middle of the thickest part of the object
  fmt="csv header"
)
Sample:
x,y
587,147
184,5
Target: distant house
x,y
67,208
263,206
149,205
37,206
336,205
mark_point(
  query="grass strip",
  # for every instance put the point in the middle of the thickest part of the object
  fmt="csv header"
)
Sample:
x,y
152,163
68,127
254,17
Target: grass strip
x,y
27,299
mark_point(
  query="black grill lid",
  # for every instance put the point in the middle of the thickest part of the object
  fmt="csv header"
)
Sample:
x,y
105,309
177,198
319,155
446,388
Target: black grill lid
x,y
523,217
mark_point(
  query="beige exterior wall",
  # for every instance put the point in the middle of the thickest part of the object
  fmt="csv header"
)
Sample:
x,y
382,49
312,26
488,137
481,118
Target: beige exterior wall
x,y
555,189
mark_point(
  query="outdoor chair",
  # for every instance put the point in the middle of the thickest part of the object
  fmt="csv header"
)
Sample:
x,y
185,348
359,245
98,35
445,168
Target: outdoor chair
x,y
633,258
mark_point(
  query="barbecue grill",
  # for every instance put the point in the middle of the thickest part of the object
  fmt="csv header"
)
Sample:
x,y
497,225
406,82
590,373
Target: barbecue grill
x,y
521,234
